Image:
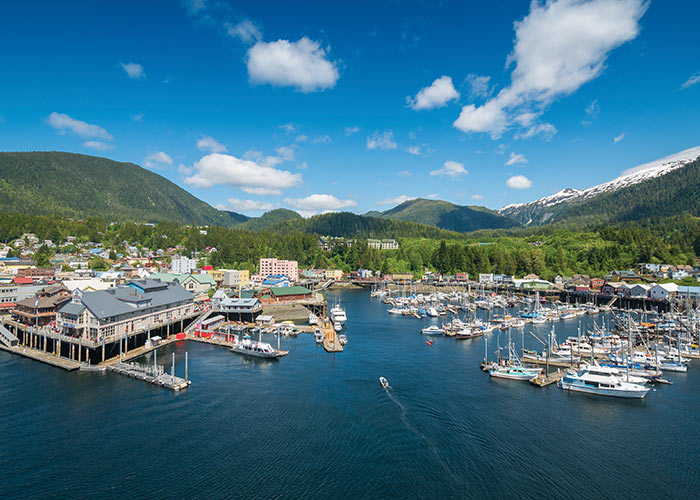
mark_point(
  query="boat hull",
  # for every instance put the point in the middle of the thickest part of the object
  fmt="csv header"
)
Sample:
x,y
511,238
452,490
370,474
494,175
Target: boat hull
x,y
626,393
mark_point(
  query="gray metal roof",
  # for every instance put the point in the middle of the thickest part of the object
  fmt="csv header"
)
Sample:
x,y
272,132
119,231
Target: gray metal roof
x,y
72,308
125,301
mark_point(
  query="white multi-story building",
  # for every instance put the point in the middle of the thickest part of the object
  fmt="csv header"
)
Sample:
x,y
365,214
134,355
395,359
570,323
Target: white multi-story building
x,y
390,245
288,268
183,265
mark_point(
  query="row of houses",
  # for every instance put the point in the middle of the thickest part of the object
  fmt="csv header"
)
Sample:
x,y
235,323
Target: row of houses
x,y
653,291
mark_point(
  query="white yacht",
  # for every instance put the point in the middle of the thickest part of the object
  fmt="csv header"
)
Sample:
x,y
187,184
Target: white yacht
x,y
257,349
338,314
313,319
596,380
432,330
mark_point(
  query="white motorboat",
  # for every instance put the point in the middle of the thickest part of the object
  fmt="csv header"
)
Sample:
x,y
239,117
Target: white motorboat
x,y
594,380
384,382
313,319
256,349
342,339
338,314
432,330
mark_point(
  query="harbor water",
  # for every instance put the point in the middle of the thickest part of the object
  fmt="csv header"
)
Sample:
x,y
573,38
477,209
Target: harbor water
x,y
317,425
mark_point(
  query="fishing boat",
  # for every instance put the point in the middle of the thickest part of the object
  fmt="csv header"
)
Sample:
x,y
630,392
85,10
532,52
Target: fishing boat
x,y
514,372
384,382
601,384
432,330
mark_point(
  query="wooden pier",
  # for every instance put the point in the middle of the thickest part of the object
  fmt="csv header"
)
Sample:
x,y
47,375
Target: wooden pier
x,y
331,343
44,357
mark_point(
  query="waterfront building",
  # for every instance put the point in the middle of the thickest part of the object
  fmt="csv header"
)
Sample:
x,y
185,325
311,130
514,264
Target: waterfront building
x,y
11,293
485,277
663,291
288,268
134,306
41,309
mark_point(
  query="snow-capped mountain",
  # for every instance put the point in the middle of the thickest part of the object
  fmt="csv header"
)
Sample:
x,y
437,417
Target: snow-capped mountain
x,y
538,210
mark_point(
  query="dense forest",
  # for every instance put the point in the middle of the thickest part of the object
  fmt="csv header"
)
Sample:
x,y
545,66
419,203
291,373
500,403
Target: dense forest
x,y
546,251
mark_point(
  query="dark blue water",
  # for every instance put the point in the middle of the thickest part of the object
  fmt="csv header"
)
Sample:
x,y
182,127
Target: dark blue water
x,y
314,425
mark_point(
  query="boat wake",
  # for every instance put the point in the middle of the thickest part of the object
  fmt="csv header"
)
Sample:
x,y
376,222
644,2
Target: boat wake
x,y
403,413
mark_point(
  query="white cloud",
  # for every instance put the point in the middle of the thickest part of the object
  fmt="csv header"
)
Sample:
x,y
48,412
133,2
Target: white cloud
x,y
319,203
210,145
437,95
487,118
414,150
185,170
396,200
249,205
593,108
251,176
98,145
133,70
302,64
288,127
381,140
351,130
301,138
450,169
321,139
691,81
546,130
516,158
618,138
246,31
404,173
559,46
157,160
137,118
285,153
478,86
477,197
64,124
195,5
519,182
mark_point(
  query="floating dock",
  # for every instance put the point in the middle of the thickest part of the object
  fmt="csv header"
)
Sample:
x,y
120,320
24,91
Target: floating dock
x,y
44,357
543,380
331,343
152,374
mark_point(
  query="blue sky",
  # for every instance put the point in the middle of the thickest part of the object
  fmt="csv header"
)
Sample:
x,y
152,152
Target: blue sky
x,y
320,106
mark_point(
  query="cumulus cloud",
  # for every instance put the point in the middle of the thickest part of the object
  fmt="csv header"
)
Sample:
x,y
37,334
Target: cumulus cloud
x,y
516,158
302,64
133,70
251,176
396,200
381,140
450,169
249,205
519,182
559,46
65,124
414,150
210,145
319,203
437,95
351,130
691,81
157,160
618,138
98,145
246,31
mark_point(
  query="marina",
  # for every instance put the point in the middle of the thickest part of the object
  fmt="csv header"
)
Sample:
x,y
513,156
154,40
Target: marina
x,y
466,414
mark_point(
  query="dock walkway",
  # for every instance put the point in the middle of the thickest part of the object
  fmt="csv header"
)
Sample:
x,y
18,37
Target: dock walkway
x,y
543,380
152,374
44,357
